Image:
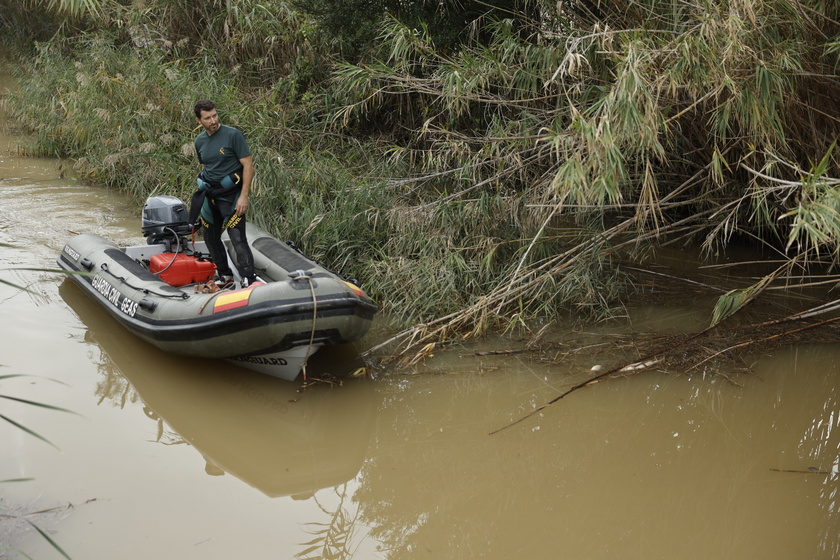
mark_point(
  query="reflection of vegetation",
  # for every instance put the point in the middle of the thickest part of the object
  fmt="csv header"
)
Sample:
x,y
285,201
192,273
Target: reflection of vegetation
x,y
332,539
820,445
113,386
119,391
162,435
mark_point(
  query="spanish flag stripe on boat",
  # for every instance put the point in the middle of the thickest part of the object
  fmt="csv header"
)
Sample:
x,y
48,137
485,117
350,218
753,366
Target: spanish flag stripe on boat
x,y
356,289
238,298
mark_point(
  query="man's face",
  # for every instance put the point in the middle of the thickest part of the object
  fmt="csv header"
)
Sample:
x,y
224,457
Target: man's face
x,y
209,120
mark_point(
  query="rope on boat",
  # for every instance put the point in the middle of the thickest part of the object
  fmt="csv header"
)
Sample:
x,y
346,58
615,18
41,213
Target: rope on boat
x,y
104,267
297,275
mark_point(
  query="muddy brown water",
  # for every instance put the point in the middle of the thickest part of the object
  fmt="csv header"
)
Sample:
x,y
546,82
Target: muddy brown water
x,y
173,458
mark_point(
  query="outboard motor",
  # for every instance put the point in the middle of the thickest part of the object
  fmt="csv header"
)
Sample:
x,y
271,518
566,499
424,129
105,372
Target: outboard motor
x,y
165,221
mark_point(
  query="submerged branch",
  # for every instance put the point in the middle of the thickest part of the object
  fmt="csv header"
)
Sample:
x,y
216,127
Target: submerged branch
x,y
611,373
685,346
754,341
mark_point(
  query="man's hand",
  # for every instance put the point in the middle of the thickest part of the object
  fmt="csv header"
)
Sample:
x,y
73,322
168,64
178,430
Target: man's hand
x,y
241,204
247,177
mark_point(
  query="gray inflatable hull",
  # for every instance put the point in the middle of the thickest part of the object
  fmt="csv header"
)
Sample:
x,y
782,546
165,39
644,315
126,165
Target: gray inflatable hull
x,y
271,327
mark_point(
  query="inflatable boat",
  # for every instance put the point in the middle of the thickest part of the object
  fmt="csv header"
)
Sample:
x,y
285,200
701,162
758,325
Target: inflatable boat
x,y
163,292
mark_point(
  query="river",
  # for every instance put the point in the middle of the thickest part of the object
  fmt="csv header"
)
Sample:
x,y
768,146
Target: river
x,y
175,458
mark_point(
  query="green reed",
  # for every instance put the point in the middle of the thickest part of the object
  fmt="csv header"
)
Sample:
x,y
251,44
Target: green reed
x,y
501,177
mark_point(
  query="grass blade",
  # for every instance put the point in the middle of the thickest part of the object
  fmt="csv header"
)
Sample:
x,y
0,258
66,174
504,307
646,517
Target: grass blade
x,y
27,430
35,403
49,540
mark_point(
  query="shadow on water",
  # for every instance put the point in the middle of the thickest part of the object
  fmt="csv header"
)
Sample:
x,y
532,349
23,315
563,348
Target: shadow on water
x,y
259,429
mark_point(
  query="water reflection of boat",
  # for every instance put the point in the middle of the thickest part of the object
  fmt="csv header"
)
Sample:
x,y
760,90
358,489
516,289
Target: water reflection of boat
x,y
251,426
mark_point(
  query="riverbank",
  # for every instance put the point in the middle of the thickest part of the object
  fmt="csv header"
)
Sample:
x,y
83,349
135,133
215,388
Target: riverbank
x,y
480,181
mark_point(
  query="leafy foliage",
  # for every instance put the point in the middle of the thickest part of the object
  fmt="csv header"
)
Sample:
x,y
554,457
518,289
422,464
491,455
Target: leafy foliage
x,y
356,23
476,163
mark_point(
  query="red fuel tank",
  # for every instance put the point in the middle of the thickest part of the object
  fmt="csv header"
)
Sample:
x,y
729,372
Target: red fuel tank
x,y
178,269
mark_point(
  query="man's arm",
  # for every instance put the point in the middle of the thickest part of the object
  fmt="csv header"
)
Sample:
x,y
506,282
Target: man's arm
x,y
247,177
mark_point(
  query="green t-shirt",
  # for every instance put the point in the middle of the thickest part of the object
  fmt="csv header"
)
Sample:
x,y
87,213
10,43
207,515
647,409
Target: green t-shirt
x,y
221,152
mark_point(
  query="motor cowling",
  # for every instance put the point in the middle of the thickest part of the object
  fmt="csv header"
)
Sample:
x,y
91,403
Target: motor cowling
x,y
165,219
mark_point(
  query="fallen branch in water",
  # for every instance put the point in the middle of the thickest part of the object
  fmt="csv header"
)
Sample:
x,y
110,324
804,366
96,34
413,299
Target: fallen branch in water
x,y
642,364
768,338
677,278
623,368
811,470
503,352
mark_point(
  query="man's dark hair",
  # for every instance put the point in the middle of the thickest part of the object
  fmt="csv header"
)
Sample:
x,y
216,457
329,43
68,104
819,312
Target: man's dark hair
x,y
203,105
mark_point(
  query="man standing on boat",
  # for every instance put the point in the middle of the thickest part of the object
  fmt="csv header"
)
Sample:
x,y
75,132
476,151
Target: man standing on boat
x,y
223,187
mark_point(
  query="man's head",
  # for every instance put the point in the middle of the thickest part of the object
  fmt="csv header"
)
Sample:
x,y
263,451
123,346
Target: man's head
x,y
203,105
206,115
